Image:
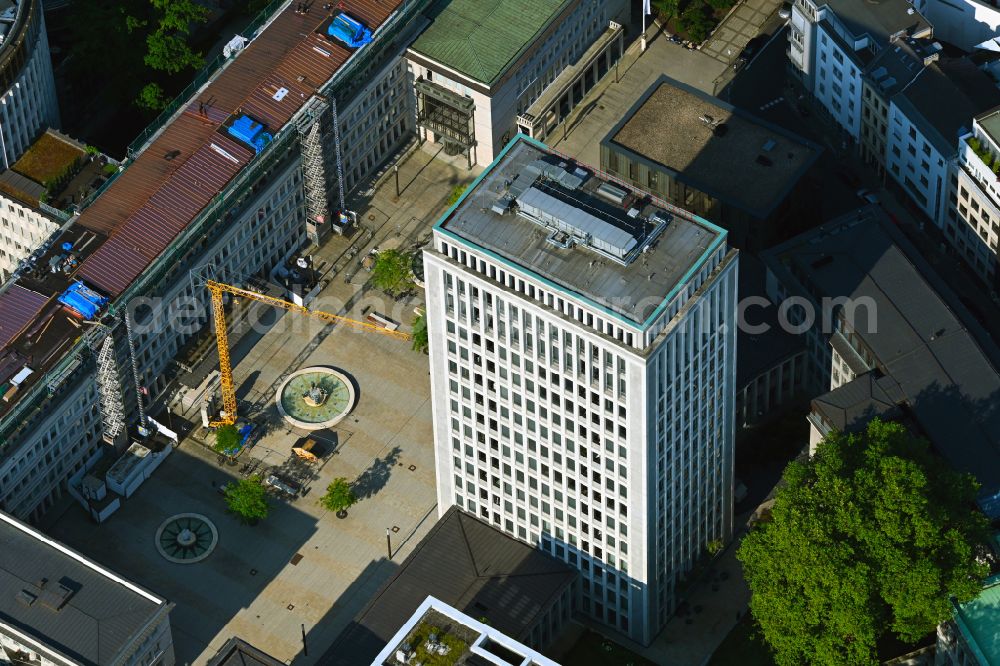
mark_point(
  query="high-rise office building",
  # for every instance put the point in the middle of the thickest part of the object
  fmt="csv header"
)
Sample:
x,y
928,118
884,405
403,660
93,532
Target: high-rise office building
x,y
582,343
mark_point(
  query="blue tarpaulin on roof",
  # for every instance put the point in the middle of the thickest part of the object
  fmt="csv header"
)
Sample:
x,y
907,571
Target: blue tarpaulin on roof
x,y
349,31
83,300
250,132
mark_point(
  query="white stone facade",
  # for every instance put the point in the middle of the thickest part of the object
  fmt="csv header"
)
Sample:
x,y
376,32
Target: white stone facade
x,y
558,46
28,102
23,229
607,445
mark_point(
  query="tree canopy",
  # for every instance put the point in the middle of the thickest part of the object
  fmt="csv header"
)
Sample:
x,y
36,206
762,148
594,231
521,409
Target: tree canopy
x,y
227,438
867,539
392,271
420,333
247,499
339,496
131,47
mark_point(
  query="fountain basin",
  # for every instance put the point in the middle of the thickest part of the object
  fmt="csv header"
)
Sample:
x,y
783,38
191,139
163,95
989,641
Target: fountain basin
x,y
297,406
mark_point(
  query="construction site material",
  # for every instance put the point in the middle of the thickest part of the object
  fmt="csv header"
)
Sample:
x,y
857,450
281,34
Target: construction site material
x,y
348,31
82,300
305,451
250,132
226,387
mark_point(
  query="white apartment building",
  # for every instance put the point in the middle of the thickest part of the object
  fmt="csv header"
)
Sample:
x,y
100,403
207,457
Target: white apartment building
x,y
832,42
24,228
582,346
28,101
479,66
972,222
61,609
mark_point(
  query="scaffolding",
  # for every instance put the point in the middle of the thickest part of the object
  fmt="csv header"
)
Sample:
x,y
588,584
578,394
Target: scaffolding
x,y
110,390
340,161
135,368
313,171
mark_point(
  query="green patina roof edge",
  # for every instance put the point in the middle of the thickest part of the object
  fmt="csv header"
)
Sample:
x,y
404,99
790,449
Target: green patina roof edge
x,y
426,46
721,235
970,637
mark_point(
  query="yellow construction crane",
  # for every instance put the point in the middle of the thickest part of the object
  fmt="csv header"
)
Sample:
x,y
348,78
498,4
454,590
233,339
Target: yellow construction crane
x,y
217,289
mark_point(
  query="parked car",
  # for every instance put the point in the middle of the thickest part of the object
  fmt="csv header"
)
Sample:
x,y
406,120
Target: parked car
x,y
868,195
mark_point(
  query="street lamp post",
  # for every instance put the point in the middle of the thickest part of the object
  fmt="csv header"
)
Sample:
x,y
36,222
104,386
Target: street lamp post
x,y
395,170
388,542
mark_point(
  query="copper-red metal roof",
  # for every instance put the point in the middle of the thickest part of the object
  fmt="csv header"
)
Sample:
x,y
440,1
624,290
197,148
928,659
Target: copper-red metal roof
x,y
191,161
19,306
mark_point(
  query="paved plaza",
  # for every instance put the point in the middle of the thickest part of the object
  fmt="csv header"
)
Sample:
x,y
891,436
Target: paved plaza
x,y
744,22
301,568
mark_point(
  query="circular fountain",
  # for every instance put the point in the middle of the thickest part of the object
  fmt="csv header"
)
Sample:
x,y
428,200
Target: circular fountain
x,y
315,398
186,538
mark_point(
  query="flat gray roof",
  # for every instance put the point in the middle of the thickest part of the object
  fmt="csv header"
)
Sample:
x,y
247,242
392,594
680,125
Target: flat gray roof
x,y
744,162
102,614
937,360
633,291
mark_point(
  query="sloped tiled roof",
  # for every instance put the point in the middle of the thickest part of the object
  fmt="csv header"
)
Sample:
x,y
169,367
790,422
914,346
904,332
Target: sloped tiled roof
x,y
482,38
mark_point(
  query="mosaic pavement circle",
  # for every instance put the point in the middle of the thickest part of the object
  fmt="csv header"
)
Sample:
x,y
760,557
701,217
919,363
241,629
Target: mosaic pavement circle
x,y
186,538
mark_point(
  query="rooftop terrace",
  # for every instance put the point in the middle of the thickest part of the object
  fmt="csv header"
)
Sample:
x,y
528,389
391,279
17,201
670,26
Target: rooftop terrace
x,y
446,635
618,248
472,567
714,147
188,167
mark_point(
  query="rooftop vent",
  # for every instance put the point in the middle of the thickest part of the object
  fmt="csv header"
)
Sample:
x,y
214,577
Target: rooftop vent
x,y
25,598
54,595
611,193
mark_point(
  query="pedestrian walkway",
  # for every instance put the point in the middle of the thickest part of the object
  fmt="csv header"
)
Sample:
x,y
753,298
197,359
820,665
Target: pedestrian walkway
x,y
743,22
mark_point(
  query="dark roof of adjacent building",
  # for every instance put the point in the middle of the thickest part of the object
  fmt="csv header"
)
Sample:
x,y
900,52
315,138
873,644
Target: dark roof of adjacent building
x,y
759,352
943,99
713,147
942,363
849,408
469,565
237,652
67,603
482,39
880,19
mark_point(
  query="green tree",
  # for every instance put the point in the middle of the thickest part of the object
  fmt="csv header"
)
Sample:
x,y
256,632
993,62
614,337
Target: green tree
x,y
695,21
167,46
391,271
869,537
339,496
420,333
247,500
666,8
227,438
151,97
455,194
